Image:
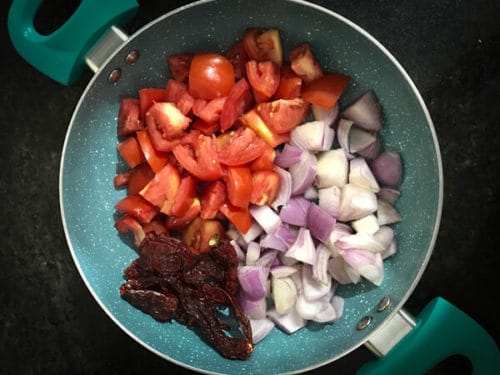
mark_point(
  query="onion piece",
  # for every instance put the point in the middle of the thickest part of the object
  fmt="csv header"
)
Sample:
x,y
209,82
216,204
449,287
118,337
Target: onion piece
x,y
320,268
385,236
303,173
314,289
367,264
329,200
284,294
328,116
343,129
239,252
285,190
254,308
387,213
319,222
389,194
360,139
288,156
365,112
252,281
266,217
272,241
332,168
339,230
319,310
283,271
341,272
303,248
295,211
252,254
260,328
289,322
367,224
356,202
312,136
327,314
267,259
338,305
311,193
254,232
371,151
391,250
359,241
387,169
361,175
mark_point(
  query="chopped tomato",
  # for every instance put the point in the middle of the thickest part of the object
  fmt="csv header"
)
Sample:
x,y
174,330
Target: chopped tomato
x,y
202,235
121,179
304,63
157,227
264,78
185,195
129,117
263,45
156,159
210,76
238,216
137,207
243,146
149,96
209,110
127,223
177,92
239,101
199,157
238,185
254,121
265,187
130,151
265,162
138,178
212,196
205,127
238,57
181,222
165,122
290,84
325,91
283,115
179,66
162,189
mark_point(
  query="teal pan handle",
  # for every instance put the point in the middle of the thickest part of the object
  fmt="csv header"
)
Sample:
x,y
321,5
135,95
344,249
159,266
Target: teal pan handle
x,y
442,330
61,54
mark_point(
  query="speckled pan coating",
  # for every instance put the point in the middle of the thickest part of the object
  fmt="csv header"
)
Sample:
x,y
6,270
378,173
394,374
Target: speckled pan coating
x,y
90,161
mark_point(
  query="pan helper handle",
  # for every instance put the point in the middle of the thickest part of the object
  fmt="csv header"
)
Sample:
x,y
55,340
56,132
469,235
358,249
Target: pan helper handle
x,y
441,330
61,54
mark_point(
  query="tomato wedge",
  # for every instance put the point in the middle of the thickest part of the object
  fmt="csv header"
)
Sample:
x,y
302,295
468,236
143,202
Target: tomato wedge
x,y
265,187
290,84
212,196
199,157
149,96
130,151
304,63
181,222
202,235
238,185
129,117
137,207
177,92
138,178
243,146
127,223
263,45
239,217
210,76
237,56
209,110
264,78
283,115
239,100
162,189
325,91
179,66
185,196
165,122
255,122
156,159
265,162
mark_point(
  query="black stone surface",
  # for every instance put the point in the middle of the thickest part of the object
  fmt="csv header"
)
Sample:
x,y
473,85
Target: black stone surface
x,y
50,324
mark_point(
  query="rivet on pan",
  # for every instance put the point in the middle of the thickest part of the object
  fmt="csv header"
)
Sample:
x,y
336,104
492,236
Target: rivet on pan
x,y
383,304
132,57
364,322
115,75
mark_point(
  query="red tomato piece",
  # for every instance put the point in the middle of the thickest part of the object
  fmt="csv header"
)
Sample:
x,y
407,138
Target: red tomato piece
x,y
177,92
157,227
129,117
202,235
181,222
121,179
283,115
212,196
137,207
199,157
205,127
165,122
138,178
238,57
304,63
162,189
265,162
255,122
156,159
126,224
265,187
326,90
185,195
130,151
149,96
243,146
263,45
238,216
179,66
239,101
238,185
290,84
264,78
210,76
209,110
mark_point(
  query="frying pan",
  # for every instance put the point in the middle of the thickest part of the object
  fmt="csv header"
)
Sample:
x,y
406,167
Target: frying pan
x,y
122,64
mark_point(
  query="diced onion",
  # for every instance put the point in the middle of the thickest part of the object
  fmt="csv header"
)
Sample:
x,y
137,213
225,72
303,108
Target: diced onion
x,y
260,329
319,222
303,248
266,217
289,322
303,173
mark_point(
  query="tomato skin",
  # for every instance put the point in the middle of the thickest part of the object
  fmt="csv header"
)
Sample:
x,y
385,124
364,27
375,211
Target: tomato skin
x,y
165,122
238,101
149,96
242,147
238,216
130,151
212,196
129,117
156,159
127,223
177,92
326,90
179,66
265,162
210,76
265,187
181,222
263,45
138,178
283,115
199,157
162,189
185,195
209,110
304,63
237,56
264,78
238,185
290,85
137,207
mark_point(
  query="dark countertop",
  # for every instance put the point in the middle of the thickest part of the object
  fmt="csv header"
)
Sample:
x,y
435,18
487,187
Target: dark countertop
x,y
49,321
